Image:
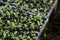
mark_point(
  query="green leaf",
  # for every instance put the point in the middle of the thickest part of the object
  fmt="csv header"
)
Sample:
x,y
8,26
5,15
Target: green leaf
x,y
18,2
15,20
25,25
20,36
20,25
26,7
13,24
4,8
1,39
34,10
24,19
25,36
16,14
45,10
0,21
17,38
8,13
50,2
15,32
5,33
33,33
41,22
37,16
8,21
32,26
38,23
45,1
3,14
12,0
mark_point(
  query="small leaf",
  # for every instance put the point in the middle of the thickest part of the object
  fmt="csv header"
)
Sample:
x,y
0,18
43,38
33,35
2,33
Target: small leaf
x,y
37,16
24,19
0,21
8,21
17,38
3,14
45,1
25,25
13,24
16,14
44,14
34,10
26,7
38,23
5,33
50,2
8,13
15,32
32,25
20,25
41,22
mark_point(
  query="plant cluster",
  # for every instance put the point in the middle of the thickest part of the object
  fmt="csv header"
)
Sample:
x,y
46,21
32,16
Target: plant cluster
x,y
22,19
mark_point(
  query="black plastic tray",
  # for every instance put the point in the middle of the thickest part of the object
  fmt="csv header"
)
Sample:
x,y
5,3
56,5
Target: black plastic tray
x,y
47,18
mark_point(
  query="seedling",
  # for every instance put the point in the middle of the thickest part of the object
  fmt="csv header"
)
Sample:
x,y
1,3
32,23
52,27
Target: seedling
x,y
21,20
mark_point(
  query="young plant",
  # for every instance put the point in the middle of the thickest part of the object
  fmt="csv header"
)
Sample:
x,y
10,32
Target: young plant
x,y
37,16
13,25
23,18
5,33
1,21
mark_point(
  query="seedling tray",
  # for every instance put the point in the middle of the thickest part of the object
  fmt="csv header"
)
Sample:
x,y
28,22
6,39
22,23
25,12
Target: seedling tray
x,y
45,18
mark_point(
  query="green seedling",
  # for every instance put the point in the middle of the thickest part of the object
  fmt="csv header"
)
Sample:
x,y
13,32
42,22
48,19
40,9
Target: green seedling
x,y
16,14
30,18
32,26
25,25
45,1
8,13
20,25
1,21
37,16
50,2
26,7
5,33
34,10
13,24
